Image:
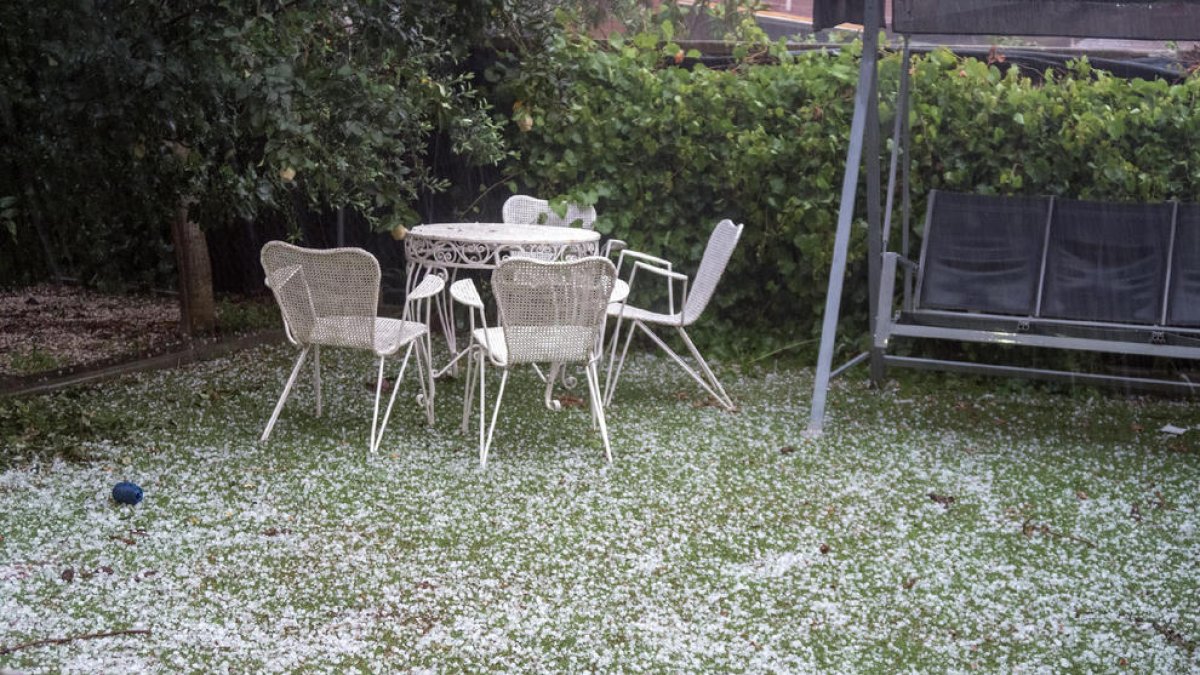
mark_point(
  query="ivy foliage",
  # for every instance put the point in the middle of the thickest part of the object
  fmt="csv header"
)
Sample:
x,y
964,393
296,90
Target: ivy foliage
x,y
1078,133
664,152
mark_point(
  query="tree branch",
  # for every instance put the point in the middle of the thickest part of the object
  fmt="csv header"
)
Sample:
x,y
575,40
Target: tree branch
x,y
59,641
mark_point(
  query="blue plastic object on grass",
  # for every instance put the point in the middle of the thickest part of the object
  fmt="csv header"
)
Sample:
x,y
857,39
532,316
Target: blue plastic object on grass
x,y
126,493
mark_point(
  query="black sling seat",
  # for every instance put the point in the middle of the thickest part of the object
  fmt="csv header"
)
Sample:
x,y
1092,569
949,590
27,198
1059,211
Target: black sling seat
x,y
1119,278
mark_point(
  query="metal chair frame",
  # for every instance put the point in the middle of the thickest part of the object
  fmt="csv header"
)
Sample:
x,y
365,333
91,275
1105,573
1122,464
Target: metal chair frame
x,y
526,210
330,298
1166,336
720,248
548,312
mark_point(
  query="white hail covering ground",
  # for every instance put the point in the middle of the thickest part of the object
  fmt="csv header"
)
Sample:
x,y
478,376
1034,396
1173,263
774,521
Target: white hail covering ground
x,y
715,541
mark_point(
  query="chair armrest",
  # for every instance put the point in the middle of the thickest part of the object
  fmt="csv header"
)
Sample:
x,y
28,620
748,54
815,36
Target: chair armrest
x,y
676,276
463,291
620,291
613,246
430,286
638,255
669,276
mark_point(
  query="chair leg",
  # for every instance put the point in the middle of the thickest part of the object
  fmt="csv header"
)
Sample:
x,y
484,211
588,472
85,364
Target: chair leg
x,y
469,392
378,391
317,375
424,366
720,394
612,357
445,311
429,376
593,378
483,452
482,405
611,383
378,435
721,398
552,404
287,389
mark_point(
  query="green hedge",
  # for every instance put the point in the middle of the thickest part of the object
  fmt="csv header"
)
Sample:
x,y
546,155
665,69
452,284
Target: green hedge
x,y
665,152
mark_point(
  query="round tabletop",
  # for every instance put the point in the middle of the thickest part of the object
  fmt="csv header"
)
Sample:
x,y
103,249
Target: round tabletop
x,y
484,245
504,234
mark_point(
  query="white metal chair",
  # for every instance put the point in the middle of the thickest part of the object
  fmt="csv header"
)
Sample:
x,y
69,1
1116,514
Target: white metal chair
x,y
716,256
548,312
331,298
526,210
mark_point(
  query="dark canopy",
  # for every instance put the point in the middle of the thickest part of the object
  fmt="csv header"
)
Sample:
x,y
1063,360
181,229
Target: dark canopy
x,y
1120,19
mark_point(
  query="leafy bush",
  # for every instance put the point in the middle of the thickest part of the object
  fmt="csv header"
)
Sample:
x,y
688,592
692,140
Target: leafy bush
x,y
665,152
1081,133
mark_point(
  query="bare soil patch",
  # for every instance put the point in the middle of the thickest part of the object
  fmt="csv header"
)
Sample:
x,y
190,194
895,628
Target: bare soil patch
x,y
48,327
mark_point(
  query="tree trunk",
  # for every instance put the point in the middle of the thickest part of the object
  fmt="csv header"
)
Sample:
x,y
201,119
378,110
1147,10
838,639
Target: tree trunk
x,y
34,211
197,309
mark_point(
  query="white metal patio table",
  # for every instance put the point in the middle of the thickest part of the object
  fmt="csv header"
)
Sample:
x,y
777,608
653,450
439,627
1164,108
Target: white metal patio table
x,y
449,247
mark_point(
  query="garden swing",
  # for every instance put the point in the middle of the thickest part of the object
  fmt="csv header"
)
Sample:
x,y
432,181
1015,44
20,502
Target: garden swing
x,y
1119,278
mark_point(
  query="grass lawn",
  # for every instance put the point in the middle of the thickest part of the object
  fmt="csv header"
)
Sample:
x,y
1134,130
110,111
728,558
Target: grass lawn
x,y
941,524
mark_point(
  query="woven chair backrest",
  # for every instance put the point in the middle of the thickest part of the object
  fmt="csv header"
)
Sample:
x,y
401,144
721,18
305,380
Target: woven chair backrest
x,y
326,296
720,247
552,311
526,210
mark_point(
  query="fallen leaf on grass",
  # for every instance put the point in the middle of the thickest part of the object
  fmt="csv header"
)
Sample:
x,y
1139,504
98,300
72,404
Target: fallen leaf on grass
x,y
128,540
1081,495
386,386
944,500
1030,528
909,583
1180,446
569,401
787,450
1161,503
708,402
1173,636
